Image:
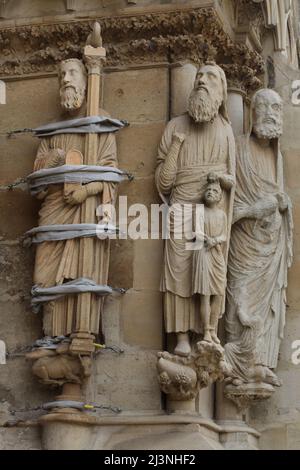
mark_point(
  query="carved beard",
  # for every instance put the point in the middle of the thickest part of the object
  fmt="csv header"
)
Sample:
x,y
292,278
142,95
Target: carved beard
x,y
202,107
71,97
268,130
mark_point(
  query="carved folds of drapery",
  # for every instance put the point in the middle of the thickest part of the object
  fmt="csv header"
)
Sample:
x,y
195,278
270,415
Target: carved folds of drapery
x,y
259,256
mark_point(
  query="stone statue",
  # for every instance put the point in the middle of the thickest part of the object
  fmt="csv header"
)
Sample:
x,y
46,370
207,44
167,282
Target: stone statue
x,y
260,248
55,367
193,145
60,261
209,268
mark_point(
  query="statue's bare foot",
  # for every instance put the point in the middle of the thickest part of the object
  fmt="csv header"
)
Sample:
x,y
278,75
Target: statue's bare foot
x,y
272,378
215,338
207,336
183,348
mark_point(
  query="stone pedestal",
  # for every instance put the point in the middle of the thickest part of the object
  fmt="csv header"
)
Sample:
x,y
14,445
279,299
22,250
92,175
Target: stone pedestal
x,y
70,392
236,434
246,395
62,431
179,406
66,430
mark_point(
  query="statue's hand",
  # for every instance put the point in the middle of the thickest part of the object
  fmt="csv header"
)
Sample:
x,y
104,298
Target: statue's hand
x,y
259,211
240,213
94,188
283,201
209,242
265,207
77,197
227,181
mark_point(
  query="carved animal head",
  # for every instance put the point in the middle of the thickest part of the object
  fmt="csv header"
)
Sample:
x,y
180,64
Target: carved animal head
x,y
86,363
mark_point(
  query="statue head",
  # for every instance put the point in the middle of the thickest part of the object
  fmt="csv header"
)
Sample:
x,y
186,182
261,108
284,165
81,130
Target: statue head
x,y
213,191
72,77
266,107
209,95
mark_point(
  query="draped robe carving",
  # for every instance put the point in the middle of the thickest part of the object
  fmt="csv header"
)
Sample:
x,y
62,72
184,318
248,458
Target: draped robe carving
x,y
207,147
260,252
58,262
260,247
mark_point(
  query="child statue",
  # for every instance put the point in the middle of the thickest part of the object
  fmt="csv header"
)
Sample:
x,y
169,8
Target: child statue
x,y
209,267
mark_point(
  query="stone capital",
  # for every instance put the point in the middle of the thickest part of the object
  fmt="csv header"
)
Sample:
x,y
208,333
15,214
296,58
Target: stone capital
x,y
94,58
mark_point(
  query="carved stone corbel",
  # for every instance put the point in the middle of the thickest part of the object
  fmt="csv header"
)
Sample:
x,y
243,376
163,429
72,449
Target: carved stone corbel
x,y
57,366
210,363
181,378
246,395
177,376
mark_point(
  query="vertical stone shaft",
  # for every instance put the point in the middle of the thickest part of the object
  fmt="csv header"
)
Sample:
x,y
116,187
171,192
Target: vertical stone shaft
x,y
94,57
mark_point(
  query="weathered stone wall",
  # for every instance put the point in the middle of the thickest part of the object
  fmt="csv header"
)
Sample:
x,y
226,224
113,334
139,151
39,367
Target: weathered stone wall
x,y
19,327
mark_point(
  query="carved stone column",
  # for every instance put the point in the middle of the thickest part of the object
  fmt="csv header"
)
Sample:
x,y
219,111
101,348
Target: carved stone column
x,y
3,5
236,434
235,105
71,5
182,81
94,54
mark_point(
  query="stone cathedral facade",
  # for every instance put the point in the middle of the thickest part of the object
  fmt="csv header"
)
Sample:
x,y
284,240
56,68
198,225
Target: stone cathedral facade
x,y
112,335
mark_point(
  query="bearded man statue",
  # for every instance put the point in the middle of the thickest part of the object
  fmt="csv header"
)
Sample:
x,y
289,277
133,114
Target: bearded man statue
x,y
193,145
72,76
260,247
58,262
